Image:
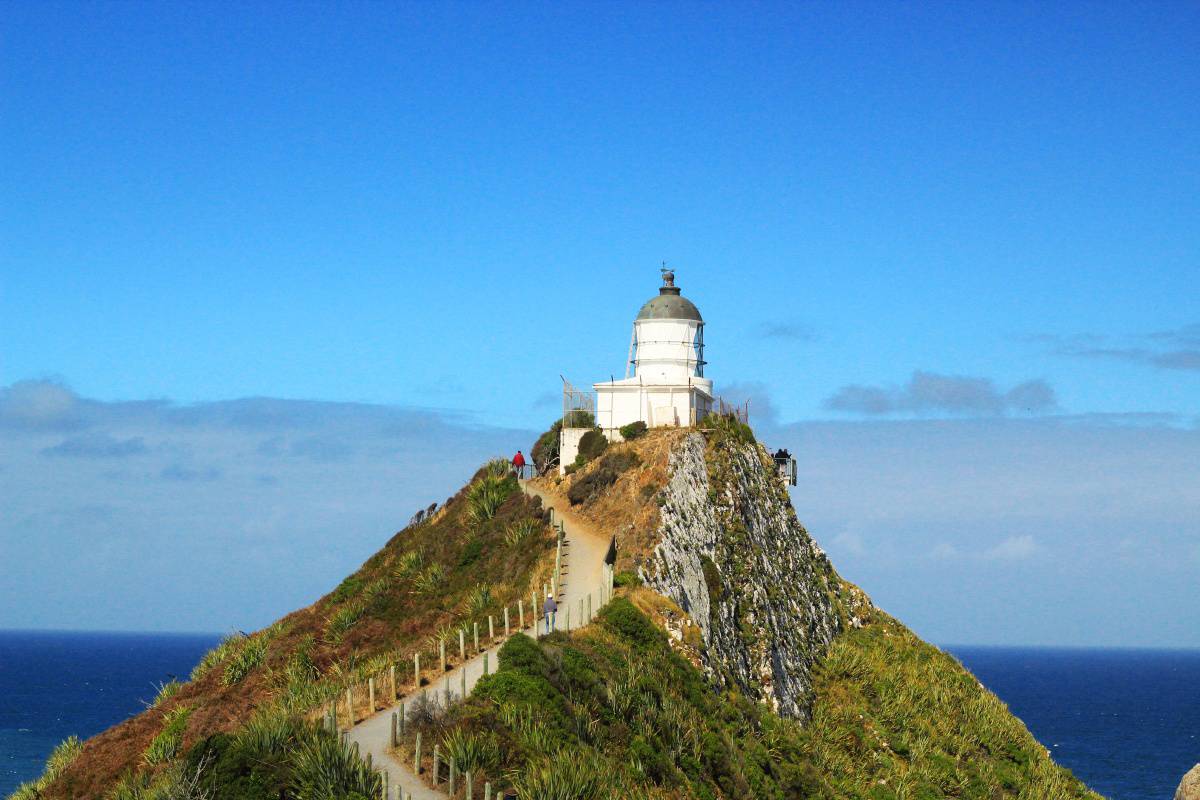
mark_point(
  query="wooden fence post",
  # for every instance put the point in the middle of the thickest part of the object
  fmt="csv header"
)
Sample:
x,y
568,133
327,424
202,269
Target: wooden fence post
x,y
417,670
403,719
453,776
447,691
437,766
392,679
383,786
485,664
521,613
462,676
350,706
506,629
582,618
462,645
568,628
442,653
487,791
476,624
491,628
395,731
371,696
470,785
417,755
589,616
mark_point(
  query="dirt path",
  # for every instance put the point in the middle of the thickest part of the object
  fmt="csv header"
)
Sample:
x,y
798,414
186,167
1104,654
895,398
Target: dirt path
x,y
583,574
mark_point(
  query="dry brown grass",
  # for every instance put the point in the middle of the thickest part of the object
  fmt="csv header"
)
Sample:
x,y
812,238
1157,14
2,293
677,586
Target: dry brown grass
x,y
629,508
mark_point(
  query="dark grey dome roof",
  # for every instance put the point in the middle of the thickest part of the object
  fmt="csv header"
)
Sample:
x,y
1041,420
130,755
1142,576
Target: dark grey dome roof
x,y
669,304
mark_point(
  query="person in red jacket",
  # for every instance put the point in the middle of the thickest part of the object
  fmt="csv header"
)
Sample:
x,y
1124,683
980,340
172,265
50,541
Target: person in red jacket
x,y
518,463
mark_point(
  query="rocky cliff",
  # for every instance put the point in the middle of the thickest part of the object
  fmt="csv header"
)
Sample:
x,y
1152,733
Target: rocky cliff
x,y
731,552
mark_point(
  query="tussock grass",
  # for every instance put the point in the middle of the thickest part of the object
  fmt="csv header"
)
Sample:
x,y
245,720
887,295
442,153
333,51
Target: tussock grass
x,y
165,746
486,495
521,530
342,620
245,660
480,600
409,564
323,768
165,691
431,580
218,654
61,757
471,752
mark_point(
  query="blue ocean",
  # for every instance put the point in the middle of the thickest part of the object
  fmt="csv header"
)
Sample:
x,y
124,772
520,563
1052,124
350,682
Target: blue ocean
x,y
54,684
1122,720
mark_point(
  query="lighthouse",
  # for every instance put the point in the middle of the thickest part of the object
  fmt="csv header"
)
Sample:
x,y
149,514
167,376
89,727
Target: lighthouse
x,y
664,383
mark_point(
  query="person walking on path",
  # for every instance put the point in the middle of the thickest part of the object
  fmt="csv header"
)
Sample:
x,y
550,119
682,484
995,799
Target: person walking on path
x,y
518,463
550,607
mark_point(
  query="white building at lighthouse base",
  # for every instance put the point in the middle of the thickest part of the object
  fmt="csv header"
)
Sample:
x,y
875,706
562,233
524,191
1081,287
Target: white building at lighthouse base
x,y
667,387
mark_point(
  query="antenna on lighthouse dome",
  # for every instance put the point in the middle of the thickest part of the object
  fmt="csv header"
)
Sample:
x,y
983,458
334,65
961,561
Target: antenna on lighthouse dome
x,y
668,275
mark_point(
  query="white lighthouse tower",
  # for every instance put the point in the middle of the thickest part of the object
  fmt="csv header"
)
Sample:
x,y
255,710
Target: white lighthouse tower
x,y
667,387
666,357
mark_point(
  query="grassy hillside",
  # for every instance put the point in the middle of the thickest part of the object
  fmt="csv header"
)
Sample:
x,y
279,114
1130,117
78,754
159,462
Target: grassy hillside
x,y
250,702
615,711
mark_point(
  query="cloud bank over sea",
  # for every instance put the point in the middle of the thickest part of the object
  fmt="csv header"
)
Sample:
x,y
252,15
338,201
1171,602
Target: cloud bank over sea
x,y
209,516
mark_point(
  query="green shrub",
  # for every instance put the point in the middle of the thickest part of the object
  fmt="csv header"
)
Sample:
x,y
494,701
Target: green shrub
x,y
604,475
545,449
591,445
626,579
522,653
165,746
712,579
625,620
524,688
730,426
634,430
229,769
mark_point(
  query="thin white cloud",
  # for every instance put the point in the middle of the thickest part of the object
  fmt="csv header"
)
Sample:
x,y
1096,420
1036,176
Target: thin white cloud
x,y
1014,548
1175,349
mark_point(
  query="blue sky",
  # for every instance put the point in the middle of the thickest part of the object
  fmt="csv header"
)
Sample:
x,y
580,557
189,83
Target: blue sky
x,y
917,231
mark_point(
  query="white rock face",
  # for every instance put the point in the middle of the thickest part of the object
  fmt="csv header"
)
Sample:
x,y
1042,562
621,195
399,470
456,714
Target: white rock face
x,y
734,556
